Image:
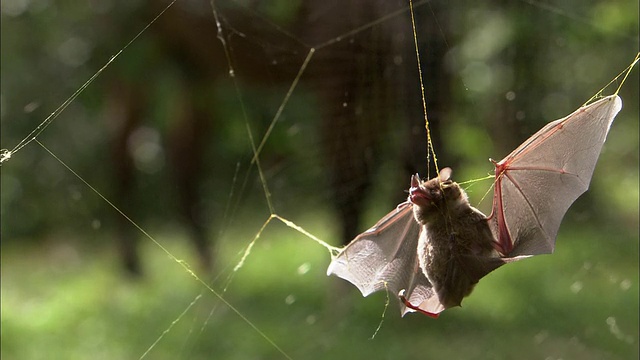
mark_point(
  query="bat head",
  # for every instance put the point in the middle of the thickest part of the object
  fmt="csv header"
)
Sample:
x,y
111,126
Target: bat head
x,y
434,197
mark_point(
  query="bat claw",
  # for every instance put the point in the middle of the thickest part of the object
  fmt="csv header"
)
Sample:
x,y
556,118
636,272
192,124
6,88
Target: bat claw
x,y
413,307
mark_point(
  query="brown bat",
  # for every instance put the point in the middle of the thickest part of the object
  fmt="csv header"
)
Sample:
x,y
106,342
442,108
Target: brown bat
x,y
432,249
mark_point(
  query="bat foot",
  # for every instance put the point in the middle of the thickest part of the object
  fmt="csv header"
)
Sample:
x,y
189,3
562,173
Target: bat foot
x,y
416,308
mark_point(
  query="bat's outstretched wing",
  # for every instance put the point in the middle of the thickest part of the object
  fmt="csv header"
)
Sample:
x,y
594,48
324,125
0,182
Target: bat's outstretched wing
x,y
538,181
385,258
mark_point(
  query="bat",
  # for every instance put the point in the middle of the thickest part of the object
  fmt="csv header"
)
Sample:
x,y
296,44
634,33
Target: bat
x,y
434,247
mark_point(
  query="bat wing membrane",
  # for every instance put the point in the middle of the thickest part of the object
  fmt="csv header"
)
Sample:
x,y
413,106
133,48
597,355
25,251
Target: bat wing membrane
x,y
537,182
378,259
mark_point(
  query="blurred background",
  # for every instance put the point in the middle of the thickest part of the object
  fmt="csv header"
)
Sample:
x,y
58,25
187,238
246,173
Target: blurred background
x,y
329,93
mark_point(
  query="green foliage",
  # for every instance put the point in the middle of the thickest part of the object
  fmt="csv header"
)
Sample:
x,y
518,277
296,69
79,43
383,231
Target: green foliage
x,y
66,301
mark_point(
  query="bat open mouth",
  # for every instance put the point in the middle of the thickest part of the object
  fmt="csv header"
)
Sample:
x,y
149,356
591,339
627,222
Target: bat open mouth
x,y
419,196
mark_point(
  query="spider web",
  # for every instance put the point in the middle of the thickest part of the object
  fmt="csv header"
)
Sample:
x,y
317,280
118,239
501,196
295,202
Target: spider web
x,y
257,193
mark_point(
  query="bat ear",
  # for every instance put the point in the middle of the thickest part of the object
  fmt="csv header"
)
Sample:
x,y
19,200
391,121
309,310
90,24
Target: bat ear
x,y
415,180
445,174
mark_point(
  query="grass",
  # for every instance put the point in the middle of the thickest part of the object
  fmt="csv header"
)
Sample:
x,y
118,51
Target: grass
x,y
66,301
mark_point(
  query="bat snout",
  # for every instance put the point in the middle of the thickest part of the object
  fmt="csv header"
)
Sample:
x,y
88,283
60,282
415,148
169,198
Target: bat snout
x,y
419,196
